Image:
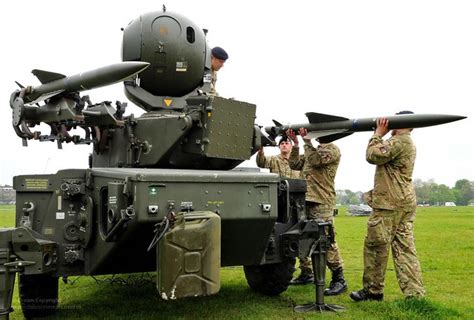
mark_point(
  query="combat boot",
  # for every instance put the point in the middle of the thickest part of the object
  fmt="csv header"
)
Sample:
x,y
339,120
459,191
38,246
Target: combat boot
x,y
365,295
303,278
338,284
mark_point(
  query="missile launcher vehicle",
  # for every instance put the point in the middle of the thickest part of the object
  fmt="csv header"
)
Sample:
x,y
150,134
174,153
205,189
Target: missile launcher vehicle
x,y
162,192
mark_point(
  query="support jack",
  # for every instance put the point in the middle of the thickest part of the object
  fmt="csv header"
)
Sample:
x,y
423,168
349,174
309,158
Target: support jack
x,y
319,259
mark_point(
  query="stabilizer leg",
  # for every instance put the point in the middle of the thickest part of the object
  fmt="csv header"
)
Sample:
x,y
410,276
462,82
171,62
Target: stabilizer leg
x,y
319,259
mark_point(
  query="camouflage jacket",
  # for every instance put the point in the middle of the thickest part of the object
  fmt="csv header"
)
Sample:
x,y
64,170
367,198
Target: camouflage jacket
x,y
213,91
319,166
277,164
395,159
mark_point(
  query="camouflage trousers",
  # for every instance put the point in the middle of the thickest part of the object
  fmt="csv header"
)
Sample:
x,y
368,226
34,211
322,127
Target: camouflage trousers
x,y
334,259
385,229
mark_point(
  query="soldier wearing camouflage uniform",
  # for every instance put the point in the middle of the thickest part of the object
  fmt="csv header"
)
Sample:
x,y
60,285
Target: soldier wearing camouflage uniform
x,y
393,201
319,166
278,164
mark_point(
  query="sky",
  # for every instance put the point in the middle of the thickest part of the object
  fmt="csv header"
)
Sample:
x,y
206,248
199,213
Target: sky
x,y
354,59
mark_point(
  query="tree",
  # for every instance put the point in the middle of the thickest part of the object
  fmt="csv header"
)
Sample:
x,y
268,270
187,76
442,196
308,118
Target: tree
x,y
445,194
464,191
426,192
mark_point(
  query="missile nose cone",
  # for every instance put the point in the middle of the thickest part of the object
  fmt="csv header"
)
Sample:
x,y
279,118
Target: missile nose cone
x,y
135,66
456,118
446,118
420,120
128,69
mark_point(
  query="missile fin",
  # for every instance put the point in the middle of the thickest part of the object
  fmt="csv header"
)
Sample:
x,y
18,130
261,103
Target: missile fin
x,y
334,137
47,76
19,84
314,117
268,141
278,124
328,136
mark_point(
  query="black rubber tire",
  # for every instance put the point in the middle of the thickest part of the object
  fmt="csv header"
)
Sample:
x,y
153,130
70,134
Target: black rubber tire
x,y
38,295
270,279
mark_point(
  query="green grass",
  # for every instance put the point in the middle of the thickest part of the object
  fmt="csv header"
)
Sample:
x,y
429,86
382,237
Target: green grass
x,y
444,239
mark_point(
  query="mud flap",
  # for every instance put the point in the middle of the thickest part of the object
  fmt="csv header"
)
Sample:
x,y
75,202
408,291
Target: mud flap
x,y
188,256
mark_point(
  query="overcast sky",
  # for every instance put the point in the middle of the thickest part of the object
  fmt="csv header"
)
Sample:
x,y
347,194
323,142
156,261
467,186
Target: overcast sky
x,y
348,58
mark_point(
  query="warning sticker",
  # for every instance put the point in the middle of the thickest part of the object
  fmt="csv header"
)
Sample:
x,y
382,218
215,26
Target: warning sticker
x,y
36,183
181,66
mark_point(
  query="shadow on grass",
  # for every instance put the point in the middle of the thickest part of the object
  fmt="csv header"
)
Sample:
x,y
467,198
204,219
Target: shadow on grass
x,y
86,298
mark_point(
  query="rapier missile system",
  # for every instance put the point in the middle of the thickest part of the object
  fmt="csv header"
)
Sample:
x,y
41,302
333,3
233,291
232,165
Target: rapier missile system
x,y
162,192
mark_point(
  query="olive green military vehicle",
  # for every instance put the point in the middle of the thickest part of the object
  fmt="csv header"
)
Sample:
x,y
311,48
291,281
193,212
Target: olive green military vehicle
x,y
162,192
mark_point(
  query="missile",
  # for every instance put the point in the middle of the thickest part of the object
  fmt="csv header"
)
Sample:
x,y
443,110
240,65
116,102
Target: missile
x,y
55,83
327,128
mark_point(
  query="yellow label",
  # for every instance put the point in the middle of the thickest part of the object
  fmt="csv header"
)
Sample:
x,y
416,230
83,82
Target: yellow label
x,y
168,102
209,114
216,202
36,183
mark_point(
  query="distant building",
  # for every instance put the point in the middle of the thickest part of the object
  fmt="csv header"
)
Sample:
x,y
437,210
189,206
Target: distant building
x,y
7,195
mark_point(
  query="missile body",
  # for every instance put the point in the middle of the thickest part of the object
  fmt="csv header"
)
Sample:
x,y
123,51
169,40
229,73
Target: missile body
x,y
55,83
328,128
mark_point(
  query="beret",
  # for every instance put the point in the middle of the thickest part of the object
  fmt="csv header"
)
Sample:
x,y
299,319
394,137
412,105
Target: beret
x,y
283,139
219,53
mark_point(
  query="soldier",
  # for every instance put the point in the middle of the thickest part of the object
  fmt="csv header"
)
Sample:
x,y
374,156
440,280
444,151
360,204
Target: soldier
x,y
218,57
319,166
393,201
279,164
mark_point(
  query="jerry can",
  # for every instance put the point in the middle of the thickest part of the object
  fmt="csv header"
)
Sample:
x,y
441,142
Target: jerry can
x,y
189,256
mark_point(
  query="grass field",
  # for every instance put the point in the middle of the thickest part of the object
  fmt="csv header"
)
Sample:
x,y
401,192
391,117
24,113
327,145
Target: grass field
x,y
445,244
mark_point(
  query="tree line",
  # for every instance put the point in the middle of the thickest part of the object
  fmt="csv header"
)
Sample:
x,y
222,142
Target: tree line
x,y
431,193
427,193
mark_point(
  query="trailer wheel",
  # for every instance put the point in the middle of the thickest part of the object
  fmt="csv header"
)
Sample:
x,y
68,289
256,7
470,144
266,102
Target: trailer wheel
x,y
270,279
38,295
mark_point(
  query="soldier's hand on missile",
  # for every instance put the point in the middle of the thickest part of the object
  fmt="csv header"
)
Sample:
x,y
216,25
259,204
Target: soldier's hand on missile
x,y
292,135
303,133
382,127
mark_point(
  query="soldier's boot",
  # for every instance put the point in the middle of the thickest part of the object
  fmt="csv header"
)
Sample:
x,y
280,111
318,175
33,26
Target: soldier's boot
x,y
303,278
338,284
365,295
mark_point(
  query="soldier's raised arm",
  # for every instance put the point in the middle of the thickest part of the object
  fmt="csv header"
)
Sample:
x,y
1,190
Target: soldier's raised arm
x,y
380,151
296,161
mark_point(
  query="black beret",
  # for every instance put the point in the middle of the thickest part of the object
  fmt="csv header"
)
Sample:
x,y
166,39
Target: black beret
x,y
219,53
405,112
283,139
